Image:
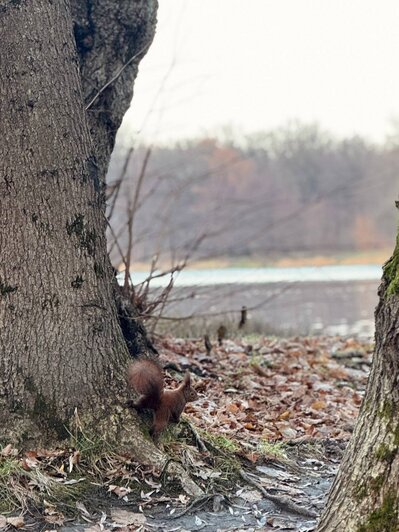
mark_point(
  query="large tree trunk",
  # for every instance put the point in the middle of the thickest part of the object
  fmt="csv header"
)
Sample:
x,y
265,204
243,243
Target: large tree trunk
x,y
62,354
365,494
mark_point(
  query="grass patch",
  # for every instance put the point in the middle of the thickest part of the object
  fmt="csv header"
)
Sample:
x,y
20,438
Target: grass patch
x,y
54,480
221,443
11,473
273,449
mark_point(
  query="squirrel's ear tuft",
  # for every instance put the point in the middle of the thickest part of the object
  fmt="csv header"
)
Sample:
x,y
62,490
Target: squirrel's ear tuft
x,y
187,378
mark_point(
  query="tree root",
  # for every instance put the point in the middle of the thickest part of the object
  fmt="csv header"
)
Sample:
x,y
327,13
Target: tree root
x,y
189,486
280,501
200,442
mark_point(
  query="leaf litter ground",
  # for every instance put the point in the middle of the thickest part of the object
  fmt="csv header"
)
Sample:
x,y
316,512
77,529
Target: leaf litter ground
x,y
263,442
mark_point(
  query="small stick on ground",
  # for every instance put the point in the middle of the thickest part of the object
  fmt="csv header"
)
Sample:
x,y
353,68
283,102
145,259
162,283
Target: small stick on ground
x,y
198,439
280,501
208,344
198,502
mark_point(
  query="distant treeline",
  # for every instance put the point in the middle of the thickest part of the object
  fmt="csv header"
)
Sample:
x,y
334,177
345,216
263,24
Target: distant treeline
x,y
296,189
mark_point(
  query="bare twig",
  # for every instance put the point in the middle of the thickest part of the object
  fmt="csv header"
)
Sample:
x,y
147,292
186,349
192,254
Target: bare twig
x,y
114,78
198,502
117,187
286,287
131,216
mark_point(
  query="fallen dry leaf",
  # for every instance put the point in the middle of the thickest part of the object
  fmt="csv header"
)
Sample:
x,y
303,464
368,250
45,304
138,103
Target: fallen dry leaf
x,y
16,522
319,405
73,460
297,380
119,491
9,450
125,518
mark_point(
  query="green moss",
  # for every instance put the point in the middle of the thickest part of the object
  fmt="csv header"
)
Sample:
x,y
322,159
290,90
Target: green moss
x,y
220,442
6,289
384,453
367,405
8,466
391,271
387,411
383,519
360,492
273,449
377,483
372,485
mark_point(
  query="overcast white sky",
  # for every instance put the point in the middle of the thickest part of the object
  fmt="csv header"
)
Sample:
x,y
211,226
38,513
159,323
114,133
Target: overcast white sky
x,y
257,64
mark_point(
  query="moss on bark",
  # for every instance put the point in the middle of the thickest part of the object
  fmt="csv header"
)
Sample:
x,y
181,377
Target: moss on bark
x,y
391,271
383,519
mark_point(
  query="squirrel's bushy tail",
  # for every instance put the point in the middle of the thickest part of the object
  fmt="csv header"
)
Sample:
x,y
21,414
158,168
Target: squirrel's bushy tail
x,y
146,378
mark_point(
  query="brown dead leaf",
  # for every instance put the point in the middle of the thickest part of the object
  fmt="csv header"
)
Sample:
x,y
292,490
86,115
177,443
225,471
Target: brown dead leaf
x,y
31,454
48,453
259,370
357,399
119,491
126,518
288,432
337,373
73,460
55,519
252,457
232,408
318,405
25,465
9,450
301,387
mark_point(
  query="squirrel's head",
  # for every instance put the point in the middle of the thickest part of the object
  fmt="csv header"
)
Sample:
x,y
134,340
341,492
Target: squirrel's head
x,y
190,393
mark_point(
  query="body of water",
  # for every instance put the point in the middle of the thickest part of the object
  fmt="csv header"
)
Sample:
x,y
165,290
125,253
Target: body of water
x,y
206,277
307,300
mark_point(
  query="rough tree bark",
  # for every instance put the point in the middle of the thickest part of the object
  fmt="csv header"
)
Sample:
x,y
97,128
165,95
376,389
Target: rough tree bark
x,y
365,493
111,39
62,353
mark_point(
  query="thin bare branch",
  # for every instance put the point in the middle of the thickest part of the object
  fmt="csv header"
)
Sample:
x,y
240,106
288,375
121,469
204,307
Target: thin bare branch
x,y
132,214
113,79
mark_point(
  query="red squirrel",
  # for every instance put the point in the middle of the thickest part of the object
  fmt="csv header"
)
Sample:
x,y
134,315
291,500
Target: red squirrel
x,y
146,378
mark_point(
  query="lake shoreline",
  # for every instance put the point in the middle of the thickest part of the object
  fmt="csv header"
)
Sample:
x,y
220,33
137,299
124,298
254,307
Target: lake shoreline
x,y
248,276
287,260
334,307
